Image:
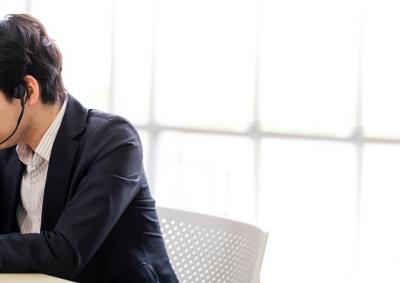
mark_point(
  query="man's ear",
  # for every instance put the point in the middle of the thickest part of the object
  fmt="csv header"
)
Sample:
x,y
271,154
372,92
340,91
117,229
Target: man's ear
x,y
32,90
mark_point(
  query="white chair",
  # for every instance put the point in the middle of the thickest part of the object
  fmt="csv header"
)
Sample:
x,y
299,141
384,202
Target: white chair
x,y
205,248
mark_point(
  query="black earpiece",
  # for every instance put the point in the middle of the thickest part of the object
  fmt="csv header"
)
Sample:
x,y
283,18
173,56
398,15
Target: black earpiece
x,y
19,93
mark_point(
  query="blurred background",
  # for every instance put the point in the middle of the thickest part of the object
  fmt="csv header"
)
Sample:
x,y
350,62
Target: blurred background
x,y
283,113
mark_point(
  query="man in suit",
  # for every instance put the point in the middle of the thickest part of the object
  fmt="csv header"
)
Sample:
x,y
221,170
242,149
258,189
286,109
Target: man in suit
x,y
74,200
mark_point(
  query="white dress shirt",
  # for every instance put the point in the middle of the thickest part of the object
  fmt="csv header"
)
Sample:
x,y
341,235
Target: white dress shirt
x,y
29,210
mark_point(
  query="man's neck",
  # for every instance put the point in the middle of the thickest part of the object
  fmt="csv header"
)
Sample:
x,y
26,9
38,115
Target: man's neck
x,y
41,121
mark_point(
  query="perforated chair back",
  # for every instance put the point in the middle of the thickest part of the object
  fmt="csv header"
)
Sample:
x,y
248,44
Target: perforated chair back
x,y
208,249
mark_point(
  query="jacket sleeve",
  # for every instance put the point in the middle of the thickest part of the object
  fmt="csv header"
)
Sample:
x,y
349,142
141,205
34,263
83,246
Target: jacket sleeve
x,y
109,185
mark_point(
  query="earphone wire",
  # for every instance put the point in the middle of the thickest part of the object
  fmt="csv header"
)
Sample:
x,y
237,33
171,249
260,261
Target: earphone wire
x,y
18,121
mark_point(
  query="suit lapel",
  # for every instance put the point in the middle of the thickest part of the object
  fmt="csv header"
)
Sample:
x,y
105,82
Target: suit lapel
x,y
61,163
58,176
11,197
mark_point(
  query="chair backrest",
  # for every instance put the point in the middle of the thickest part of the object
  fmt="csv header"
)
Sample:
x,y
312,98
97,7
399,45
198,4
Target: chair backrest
x,y
205,248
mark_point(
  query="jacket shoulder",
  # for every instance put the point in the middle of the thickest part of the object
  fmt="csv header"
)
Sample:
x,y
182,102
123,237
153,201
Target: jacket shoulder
x,y
106,132
101,123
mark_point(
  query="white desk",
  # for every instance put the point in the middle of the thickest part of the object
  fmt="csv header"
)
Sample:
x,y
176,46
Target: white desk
x,y
29,277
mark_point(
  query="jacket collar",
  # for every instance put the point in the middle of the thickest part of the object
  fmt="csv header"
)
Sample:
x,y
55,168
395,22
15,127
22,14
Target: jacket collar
x,y
61,163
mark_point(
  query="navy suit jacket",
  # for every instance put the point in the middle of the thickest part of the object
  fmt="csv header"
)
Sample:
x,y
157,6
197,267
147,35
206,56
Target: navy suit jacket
x,y
99,222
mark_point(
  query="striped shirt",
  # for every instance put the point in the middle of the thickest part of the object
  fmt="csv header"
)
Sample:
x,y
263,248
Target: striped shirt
x,y
29,210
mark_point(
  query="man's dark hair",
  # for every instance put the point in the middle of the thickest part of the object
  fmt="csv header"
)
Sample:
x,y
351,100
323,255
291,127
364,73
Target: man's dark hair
x,y
26,49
